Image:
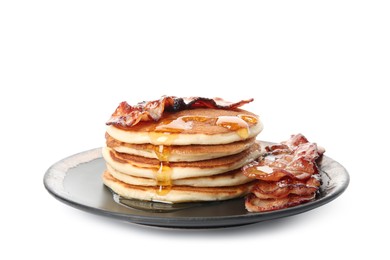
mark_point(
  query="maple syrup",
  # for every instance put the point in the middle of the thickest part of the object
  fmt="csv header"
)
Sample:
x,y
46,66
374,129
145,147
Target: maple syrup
x,y
234,123
162,137
175,126
248,118
204,119
163,177
163,173
162,152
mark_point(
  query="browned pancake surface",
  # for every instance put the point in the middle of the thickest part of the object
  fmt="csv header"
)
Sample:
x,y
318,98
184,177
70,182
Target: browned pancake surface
x,y
154,163
230,148
197,127
214,190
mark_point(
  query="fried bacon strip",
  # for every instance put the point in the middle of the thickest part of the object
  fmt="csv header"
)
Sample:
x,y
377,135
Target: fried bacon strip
x,y
285,187
287,175
126,115
255,204
295,159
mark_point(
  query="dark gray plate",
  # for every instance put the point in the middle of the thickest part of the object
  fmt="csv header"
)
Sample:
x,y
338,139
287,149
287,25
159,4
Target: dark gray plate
x,y
76,181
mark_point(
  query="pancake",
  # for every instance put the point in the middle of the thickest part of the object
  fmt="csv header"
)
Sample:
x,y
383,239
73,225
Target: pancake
x,y
196,126
178,153
177,194
148,168
231,178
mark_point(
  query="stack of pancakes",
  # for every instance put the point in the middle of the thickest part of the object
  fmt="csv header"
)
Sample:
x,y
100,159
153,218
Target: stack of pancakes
x,y
185,156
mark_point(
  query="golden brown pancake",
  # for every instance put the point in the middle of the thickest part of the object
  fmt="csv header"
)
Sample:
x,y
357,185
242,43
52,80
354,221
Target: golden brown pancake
x,y
231,178
196,126
147,167
176,194
176,153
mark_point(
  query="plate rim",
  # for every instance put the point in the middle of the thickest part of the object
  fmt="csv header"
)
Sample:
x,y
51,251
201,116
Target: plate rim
x,y
53,184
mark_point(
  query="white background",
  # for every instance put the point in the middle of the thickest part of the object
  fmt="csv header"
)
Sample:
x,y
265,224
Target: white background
x,y
316,67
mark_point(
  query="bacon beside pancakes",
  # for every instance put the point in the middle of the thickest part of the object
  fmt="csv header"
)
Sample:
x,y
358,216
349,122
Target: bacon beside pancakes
x,y
255,204
285,187
126,115
287,175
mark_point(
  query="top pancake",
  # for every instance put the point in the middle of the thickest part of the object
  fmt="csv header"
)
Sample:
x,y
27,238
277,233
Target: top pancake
x,y
195,126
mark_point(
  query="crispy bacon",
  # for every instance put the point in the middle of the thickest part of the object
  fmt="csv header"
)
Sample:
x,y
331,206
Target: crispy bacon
x,y
126,115
295,158
300,145
287,175
255,204
274,171
285,187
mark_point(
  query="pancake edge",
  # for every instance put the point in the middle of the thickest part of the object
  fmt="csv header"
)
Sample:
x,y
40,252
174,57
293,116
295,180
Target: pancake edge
x,y
232,178
177,194
135,137
176,172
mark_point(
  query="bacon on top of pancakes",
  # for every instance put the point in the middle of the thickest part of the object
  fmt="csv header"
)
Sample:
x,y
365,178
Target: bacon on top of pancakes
x,y
126,115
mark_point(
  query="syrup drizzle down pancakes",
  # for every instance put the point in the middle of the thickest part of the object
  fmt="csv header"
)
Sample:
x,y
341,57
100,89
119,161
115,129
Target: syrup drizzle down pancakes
x,y
180,150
